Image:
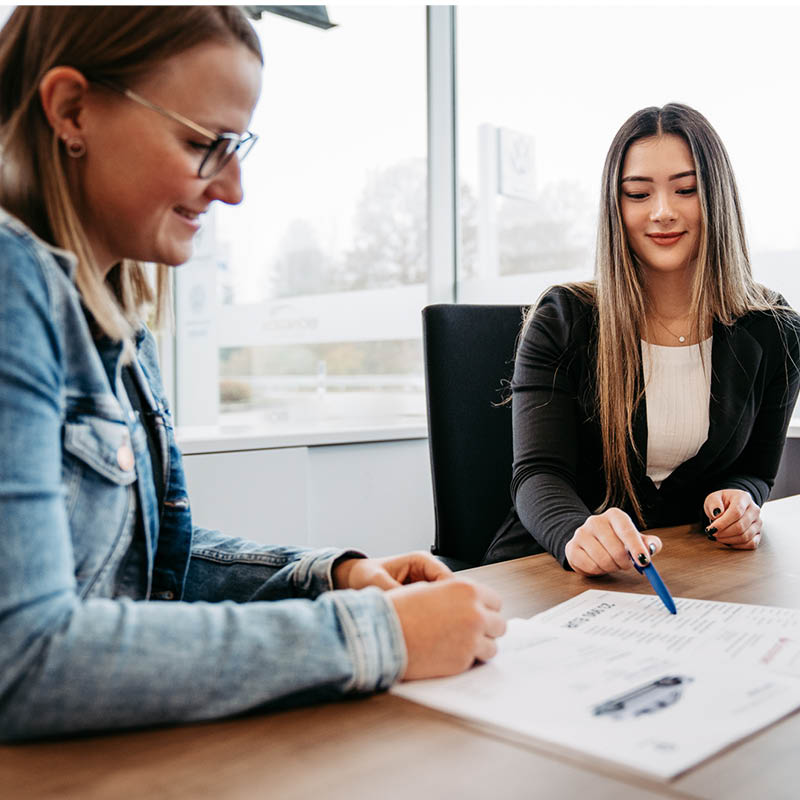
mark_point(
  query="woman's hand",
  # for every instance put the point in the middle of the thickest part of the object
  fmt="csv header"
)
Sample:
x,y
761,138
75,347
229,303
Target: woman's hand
x,y
389,572
601,545
447,625
735,519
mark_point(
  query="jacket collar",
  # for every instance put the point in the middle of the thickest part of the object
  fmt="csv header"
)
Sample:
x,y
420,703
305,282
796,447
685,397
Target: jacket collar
x,y
64,258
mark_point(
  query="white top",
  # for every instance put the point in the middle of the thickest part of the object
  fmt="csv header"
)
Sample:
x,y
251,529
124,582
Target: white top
x,y
677,395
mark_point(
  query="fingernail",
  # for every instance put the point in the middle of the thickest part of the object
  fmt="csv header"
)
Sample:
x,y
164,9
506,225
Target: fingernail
x,y
652,548
727,545
710,531
642,559
711,537
717,512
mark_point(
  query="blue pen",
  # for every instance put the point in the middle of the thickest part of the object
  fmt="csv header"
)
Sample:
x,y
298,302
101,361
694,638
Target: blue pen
x,y
655,581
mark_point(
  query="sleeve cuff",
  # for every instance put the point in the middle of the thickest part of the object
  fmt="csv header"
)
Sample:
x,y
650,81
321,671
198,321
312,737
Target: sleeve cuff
x,y
760,494
374,638
313,573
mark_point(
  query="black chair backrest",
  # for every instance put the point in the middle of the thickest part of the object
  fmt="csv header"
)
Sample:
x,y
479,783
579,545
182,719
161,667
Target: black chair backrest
x,y
469,357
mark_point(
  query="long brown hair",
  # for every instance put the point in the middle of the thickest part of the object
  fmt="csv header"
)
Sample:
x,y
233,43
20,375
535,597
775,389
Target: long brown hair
x,y
113,43
723,287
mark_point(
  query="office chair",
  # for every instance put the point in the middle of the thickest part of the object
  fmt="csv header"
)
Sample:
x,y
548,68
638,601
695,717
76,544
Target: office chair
x,y
469,355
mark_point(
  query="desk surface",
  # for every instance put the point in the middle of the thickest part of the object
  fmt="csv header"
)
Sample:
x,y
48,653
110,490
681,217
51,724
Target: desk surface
x,y
383,746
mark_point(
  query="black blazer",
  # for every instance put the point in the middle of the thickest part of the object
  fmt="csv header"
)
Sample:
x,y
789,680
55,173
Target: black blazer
x,y
558,478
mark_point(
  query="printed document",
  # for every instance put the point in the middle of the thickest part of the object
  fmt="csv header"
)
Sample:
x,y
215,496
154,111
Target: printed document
x,y
723,632
613,676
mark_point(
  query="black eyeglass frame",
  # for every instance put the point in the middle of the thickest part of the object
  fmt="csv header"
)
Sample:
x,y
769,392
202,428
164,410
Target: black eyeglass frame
x,y
233,142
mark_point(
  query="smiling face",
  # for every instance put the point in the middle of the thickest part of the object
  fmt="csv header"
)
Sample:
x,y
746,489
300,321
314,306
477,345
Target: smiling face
x,y
139,194
659,202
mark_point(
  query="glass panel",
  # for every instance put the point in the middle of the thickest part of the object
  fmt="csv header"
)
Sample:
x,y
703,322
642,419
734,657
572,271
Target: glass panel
x,y
301,309
542,92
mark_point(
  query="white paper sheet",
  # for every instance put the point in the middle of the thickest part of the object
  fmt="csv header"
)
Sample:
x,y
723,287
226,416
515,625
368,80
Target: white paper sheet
x,y
602,676
726,632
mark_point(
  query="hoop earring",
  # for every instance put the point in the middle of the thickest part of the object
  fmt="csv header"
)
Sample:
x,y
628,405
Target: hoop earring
x,y
76,148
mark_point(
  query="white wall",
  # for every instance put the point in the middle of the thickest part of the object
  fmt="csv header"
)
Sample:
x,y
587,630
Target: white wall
x,y
372,496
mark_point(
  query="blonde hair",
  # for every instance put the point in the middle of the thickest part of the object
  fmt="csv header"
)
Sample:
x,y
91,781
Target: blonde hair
x,y
112,43
723,287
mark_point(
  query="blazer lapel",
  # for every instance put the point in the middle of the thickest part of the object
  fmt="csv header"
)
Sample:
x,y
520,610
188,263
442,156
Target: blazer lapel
x,y
735,359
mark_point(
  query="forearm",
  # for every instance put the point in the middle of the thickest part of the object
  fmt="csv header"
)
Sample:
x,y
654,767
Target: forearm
x,y
227,568
551,511
105,664
547,418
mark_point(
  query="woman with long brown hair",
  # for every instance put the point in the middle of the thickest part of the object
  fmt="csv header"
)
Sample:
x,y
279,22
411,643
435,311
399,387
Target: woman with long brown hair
x,y
119,128
660,392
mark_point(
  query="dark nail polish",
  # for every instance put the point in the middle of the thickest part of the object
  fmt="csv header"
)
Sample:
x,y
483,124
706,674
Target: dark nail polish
x,y
652,548
711,537
717,512
727,545
642,559
710,531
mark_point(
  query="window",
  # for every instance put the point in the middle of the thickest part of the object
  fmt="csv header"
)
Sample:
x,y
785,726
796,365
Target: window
x,y
300,312
301,308
542,90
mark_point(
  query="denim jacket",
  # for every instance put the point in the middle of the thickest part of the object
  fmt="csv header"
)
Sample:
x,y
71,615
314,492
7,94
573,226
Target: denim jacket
x,y
115,612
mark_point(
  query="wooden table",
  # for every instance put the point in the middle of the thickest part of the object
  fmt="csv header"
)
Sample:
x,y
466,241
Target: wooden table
x,y
386,747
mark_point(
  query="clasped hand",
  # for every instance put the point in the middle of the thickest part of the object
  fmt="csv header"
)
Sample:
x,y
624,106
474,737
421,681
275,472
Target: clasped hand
x,y
448,623
735,519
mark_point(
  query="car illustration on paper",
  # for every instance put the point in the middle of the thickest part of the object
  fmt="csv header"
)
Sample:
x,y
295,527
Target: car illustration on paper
x,y
648,699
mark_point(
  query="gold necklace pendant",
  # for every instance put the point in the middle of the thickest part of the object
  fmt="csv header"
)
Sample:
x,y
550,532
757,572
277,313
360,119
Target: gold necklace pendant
x,y
679,337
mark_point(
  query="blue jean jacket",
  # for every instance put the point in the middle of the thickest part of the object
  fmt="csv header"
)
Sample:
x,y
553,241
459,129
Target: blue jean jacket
x,y
109,622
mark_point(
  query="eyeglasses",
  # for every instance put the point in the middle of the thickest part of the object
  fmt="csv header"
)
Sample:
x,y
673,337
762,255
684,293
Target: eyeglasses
x,y
223,145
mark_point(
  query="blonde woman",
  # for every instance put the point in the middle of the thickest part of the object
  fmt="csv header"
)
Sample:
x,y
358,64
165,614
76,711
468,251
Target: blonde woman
x,y
659,393
119,127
